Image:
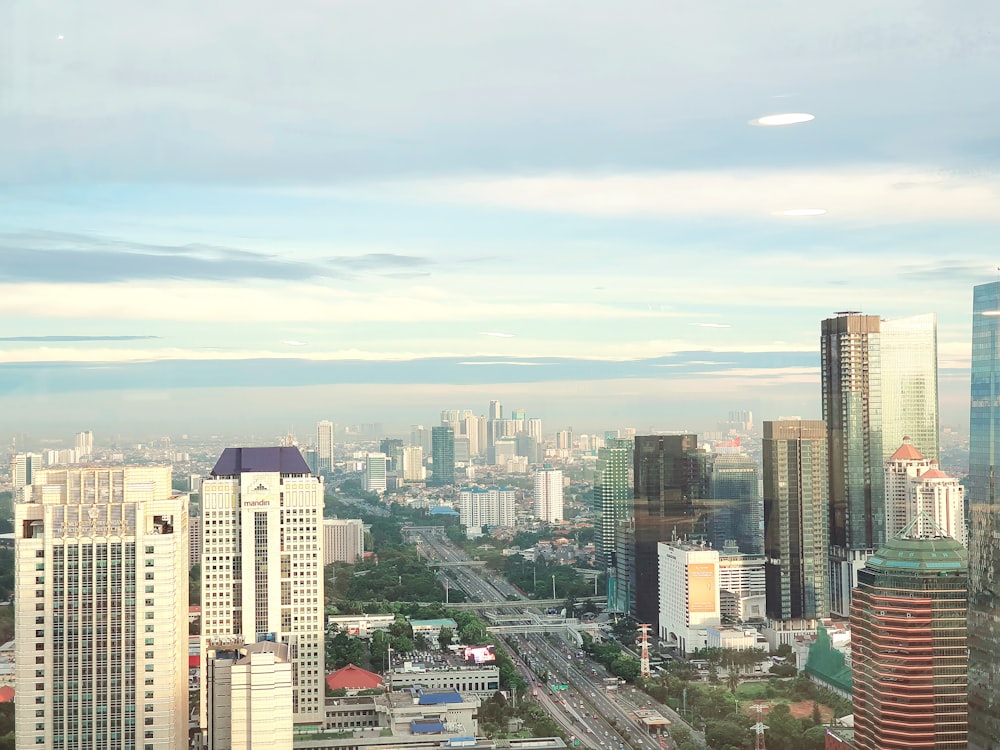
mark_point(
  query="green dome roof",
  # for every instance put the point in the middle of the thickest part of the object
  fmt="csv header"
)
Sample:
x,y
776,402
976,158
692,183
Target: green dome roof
x,y
931,555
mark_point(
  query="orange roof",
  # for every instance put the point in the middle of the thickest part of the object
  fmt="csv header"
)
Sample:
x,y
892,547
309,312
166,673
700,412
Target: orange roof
x,y
6,694
907,452
353,678
934,474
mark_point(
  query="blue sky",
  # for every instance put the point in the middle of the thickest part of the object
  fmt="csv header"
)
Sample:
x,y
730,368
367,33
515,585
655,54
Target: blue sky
x,y
254,215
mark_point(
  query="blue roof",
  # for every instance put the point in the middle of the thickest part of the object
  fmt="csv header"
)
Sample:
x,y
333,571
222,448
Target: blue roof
x,y
443,510
284,460
426,726
435,699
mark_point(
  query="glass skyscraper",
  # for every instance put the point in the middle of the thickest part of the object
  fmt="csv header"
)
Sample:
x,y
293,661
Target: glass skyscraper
x,y
740,512
611,501
910,384
442,455
984,506
879,382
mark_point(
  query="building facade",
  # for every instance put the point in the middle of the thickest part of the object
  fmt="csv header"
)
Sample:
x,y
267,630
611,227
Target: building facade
x,y
262,564
984,513
443,456
343,540
689,595
101,610
910,384
739,513
549,494
670,486
908,643
796,507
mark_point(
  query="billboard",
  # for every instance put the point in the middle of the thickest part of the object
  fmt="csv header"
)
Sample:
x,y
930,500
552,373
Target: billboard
x,y
479,654
703,596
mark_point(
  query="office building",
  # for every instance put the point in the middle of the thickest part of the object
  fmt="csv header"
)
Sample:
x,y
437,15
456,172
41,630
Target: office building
x,y
688,578
84,444
504,450
101,610
324,447
482,681
249,691
493,506
612,495
908,646
549,494
442,456
739,510
462,450
262,564
670,486
393,449
343,540
496,410
796,507
375,472
984,514
534,428
910,384
917,491
61,457
879,384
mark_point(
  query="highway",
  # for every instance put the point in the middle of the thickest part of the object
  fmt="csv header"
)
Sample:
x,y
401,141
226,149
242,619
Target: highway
x,y
586,710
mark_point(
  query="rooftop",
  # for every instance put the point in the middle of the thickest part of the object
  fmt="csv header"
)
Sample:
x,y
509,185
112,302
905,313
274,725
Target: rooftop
x,y
907,452
283,460
933,554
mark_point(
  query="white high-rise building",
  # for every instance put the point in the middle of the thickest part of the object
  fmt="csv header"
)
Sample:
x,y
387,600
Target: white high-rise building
x,y
915,488
262,565
689,594
324,446
535,428
102,610
343,540
251,693
494,506
85,443
549,494
375,472
412,464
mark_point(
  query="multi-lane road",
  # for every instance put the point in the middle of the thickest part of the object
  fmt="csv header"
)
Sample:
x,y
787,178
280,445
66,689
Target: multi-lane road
x,y
598,717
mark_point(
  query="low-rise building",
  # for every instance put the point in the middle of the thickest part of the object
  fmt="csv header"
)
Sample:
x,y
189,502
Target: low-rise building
x,y
480,681
360,626
418,711
431,629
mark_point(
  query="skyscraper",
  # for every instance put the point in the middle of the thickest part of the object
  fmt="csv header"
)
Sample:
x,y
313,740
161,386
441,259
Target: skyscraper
x,y
549,494
262,565
496,410
611,494
908,644
343,540
102,602
324,447
796,512
739,512
670,485
24,467
852,408
84,442
442,456
879,383
910,383
984,507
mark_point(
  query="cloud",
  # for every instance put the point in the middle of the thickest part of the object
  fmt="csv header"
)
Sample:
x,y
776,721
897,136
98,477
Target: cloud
x,y
854,194
74,339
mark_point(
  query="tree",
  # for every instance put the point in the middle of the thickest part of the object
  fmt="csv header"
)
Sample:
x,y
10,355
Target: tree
x,y
785,730
719,734
813,738
420,642
817,717
445,638
733,679
194,585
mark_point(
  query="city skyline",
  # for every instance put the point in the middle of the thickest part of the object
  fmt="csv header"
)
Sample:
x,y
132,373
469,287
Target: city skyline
x,y
511,214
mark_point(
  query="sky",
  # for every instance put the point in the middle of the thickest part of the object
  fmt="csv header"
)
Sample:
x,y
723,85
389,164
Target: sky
x,y
251,216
